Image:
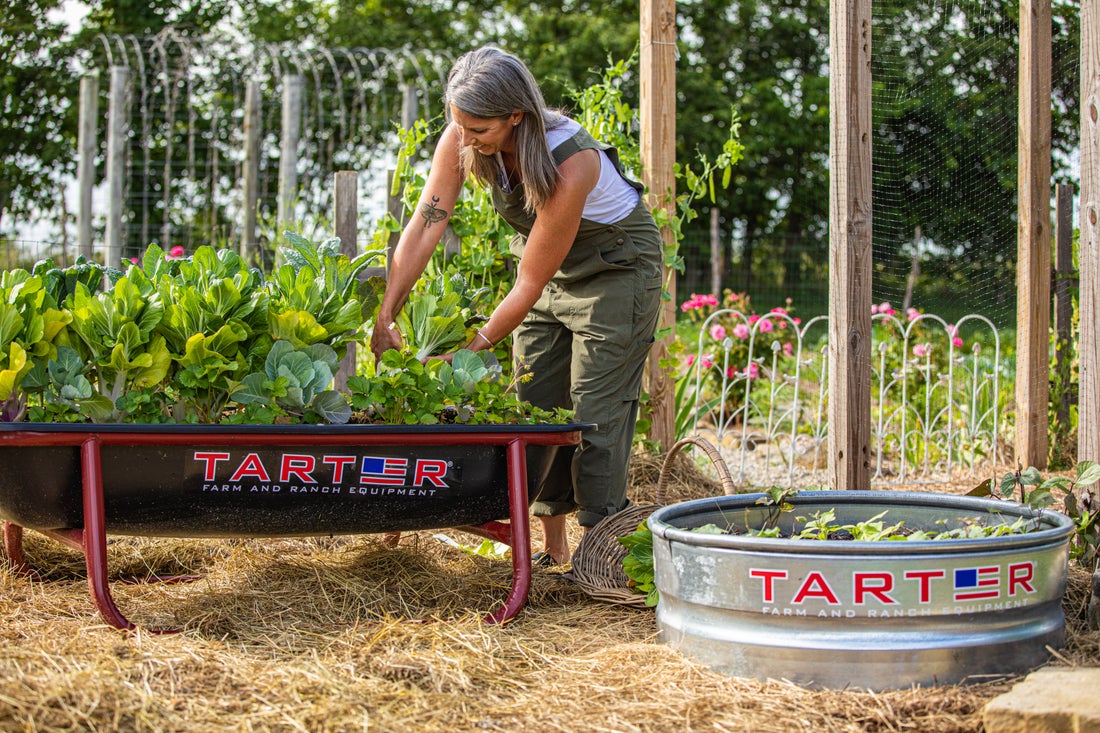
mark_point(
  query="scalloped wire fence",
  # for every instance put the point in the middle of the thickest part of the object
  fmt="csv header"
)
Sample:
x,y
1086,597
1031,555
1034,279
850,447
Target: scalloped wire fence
x,y
757,387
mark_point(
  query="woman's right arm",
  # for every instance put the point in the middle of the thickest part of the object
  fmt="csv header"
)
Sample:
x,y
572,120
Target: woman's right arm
x,y
419,238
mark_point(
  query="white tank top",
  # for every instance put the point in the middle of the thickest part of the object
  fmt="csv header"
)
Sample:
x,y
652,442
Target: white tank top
x,y
613,198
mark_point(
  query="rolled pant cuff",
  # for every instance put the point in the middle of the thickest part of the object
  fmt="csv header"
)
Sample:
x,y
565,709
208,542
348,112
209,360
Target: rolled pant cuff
x,y
551,508
588,518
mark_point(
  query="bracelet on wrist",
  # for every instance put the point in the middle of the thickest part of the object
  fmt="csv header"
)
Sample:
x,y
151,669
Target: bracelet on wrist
x,y
485,339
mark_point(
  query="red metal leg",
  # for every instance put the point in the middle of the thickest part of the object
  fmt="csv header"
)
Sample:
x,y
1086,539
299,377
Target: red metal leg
x,y
493,530
521,535
95,538
13,546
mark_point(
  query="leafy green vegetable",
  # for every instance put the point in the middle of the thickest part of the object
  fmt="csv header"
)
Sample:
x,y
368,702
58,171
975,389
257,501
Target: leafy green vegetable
x,y
317,296
296,381
638,563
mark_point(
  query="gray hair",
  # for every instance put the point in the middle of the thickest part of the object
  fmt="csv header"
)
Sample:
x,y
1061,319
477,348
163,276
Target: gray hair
x,y
489,83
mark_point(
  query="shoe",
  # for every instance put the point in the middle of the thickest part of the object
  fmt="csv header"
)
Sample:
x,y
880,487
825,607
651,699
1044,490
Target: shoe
x,y
543,559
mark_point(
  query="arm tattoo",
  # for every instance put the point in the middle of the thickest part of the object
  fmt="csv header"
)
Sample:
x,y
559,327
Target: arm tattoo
x,y
431,212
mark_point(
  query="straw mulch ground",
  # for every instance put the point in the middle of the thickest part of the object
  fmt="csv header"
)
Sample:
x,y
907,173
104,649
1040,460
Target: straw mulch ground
x,y
345,634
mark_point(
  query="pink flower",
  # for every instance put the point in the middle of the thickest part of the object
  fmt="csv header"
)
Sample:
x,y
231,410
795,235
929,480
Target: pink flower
x,y
952,329
752,371
957,342
766,326
780,311
730,372
753,319
134,260
690,359
707,362
175,252
921,350
698,301
912,314
741,331
717,332
788,348
874,309
797,321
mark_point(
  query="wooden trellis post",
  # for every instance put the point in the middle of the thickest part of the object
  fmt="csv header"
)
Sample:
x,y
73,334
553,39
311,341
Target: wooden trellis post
x,y
118,126
345,207
288,154
657,112
85,162
251,173
1088,430
850,244
1033,237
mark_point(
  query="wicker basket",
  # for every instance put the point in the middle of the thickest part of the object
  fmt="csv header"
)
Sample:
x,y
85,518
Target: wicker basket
x,y
598,559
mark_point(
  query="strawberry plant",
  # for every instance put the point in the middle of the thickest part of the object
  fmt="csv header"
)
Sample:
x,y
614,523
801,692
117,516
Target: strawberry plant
x,y
469,390
638,563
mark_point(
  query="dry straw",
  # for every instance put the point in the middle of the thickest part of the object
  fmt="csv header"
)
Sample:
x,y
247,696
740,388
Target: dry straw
x,y
345,634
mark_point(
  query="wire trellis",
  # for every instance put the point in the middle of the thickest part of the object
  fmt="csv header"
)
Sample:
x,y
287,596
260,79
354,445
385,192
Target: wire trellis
x,y
186,138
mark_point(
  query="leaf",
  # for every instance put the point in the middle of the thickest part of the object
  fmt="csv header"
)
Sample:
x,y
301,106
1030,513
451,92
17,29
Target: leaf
x,y
1030,476
1040,498
985,488
709,529
1088,473
98,407
332,407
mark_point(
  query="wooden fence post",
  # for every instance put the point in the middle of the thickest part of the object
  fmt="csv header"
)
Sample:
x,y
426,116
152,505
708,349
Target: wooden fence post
x,y
1064,274
118,126
85,162
657,116
1088,343
346,212
288,153
250,197
850,245
1033,237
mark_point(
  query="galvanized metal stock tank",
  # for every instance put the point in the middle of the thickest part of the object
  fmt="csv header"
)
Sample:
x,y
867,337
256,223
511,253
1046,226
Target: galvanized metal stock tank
x,y
873,615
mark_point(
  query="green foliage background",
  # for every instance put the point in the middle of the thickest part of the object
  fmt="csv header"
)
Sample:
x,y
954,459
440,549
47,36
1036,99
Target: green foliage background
x,y
764,60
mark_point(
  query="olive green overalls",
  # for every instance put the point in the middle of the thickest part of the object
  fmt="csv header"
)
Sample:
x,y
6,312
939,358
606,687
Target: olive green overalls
x,y
586,341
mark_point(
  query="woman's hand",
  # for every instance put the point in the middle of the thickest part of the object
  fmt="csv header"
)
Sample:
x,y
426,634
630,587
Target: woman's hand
x,y
385,338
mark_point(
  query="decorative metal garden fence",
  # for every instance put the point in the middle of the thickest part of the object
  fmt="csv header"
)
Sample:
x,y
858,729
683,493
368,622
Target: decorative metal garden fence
x,y
758,387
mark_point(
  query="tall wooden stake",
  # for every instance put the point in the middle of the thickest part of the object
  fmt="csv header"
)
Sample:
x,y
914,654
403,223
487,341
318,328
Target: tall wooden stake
x,y
1064,273
250,198
288,152
657,109
1088,431
1033,237
118,126
85,162
346,210
850,245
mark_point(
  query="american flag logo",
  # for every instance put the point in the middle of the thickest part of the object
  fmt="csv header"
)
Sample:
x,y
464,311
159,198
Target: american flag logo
x,y
975,584
383,471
